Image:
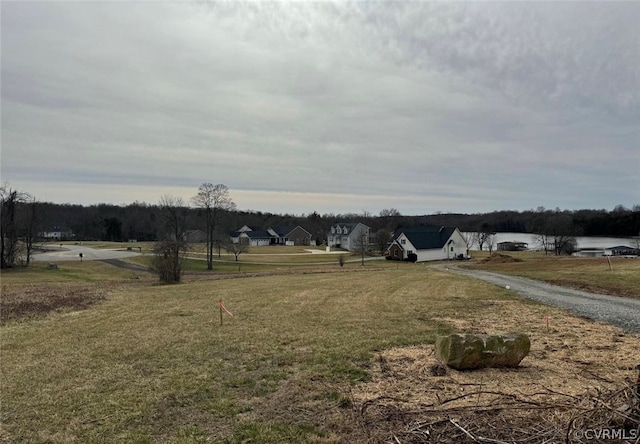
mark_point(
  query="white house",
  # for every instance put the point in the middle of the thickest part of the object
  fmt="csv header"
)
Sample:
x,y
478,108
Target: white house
x,y
349,236
58,233
256,238
427,243
276,235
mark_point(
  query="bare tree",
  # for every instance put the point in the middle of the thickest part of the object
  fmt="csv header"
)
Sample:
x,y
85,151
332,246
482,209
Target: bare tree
x,y
383,237
172,246
469,239
11,202
483,235
30,224
490,240
556,232
544,241
237,248
212,199
389,212
220,241
478,239
390,218
361,243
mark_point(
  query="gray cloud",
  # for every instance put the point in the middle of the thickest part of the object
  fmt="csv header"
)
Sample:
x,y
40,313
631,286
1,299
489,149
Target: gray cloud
x,y
439,106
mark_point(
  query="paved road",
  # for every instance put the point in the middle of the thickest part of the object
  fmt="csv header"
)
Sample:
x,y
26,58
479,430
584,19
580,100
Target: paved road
x,y
72,253
618,311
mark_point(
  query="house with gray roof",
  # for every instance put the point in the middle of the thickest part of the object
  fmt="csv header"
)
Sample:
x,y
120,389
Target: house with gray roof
x,y
255,238
427,243
349,236
277,235
290,235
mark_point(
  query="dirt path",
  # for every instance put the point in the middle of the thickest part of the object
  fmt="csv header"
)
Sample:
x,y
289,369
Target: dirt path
x,y
129,266
618,311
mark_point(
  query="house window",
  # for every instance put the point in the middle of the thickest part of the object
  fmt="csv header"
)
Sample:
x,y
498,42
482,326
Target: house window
x,y
451,248
395,253
403,241
409,252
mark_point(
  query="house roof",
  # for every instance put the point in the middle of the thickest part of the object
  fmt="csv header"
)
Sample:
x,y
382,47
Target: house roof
x,y
349,224
283,230
425,237
258,234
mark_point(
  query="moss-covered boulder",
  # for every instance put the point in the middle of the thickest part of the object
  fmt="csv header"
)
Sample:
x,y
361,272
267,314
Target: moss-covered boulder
x,y
467,352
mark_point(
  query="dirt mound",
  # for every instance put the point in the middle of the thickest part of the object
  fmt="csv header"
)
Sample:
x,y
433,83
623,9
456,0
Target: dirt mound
x,y
499,258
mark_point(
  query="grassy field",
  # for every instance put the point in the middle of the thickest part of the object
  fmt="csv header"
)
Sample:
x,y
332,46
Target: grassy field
x,y
118,358
153,363
590,274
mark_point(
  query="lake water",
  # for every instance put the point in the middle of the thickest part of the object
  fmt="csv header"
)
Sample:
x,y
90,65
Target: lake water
x,y
584,242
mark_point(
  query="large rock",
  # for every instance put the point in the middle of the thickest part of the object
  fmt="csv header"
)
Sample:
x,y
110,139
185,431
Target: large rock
x,y
466,351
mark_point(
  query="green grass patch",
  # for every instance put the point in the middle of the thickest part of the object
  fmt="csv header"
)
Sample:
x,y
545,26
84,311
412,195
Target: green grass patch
x,y
273,433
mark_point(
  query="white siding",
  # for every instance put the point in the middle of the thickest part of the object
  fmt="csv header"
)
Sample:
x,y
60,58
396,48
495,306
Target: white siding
x,y
348,240
432,255
459,245
454,246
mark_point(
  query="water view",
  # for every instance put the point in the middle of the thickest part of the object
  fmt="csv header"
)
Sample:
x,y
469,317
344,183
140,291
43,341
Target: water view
x,y
584,242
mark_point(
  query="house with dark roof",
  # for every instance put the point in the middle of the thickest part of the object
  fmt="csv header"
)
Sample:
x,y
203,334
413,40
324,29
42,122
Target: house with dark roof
x,y
427,243
290,235
349,236
622,250
256,238
279,235
512,246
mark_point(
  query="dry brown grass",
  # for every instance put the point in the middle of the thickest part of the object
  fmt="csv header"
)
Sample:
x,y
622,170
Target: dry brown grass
x,y
35,292
572,363
38,301
589,274
314,355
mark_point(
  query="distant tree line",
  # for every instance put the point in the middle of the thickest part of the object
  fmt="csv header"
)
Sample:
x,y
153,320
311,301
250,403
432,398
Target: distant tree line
x,y
140,221
24,220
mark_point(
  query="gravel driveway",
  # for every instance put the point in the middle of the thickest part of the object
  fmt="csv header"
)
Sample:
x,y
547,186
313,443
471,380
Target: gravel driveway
x,y
618,311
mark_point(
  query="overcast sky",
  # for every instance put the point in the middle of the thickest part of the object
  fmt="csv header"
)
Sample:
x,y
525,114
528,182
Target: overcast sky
x,y
329,107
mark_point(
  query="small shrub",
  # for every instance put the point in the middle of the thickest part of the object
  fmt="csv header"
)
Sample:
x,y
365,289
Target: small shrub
x,y
167,262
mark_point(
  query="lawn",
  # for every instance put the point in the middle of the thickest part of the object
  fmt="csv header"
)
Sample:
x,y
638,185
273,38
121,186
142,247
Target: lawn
x,y
297,362
256,262
616,276
153,363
